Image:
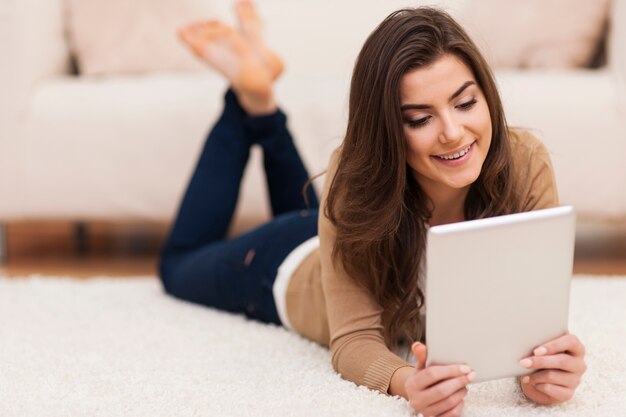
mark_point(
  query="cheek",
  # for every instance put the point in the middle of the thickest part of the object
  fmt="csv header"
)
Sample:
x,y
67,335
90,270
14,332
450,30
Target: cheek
x,y
485,120
487,131
416,145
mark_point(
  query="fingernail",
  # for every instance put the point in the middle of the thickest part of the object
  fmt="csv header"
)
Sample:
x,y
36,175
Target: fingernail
x,y
526,363
525,380
471,376
464,369
540,351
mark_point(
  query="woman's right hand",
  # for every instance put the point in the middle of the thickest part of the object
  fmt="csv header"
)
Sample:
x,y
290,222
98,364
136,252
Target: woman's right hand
x,y
437,390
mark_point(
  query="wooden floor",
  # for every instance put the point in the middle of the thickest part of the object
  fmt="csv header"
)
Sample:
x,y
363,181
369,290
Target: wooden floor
x,y
600,248
83,250
123,250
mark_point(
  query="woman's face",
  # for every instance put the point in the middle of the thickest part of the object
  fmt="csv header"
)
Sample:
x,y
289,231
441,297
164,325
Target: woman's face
x,y
447,125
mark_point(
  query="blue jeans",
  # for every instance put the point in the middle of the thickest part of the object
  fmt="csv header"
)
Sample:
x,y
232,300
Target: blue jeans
x,y
198,263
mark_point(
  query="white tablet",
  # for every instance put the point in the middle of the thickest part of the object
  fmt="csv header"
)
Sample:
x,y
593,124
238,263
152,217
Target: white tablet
x,y
498,287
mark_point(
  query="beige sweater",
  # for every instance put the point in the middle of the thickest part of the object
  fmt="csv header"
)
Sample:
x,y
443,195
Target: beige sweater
x,y
325,305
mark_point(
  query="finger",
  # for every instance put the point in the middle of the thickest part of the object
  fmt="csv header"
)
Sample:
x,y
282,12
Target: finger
x,y
420,352
446,404
567,343
446,388
434,374
556,392
455,412
560,361
552,376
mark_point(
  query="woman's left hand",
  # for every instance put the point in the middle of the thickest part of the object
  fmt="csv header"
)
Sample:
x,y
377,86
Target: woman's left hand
x,y
560,364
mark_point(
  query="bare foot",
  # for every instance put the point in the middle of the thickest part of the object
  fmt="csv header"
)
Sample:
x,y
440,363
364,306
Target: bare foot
x,y
252,27
226,50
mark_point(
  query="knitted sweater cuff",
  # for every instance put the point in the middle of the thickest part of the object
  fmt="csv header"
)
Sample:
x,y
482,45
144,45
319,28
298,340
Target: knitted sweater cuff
x,y
379,373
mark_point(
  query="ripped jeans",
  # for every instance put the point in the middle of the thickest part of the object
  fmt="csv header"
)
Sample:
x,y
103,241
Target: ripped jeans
x,y
198,262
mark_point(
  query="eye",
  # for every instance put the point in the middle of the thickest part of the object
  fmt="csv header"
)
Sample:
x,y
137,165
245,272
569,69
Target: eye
x,y
467,105
419,122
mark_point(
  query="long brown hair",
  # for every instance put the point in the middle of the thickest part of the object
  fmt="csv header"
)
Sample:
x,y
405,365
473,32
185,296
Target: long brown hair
x,y
378,209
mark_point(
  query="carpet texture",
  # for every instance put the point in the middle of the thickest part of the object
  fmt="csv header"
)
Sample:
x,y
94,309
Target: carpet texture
x,y
120,347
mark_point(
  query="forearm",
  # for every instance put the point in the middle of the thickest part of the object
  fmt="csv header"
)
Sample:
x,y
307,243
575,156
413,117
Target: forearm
x,y
398,379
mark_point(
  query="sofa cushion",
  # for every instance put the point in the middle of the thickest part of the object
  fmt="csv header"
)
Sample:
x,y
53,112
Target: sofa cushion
x,y
120,36
125,37
536,33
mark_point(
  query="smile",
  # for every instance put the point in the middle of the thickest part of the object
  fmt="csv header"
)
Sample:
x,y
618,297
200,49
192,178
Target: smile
x,y
456,155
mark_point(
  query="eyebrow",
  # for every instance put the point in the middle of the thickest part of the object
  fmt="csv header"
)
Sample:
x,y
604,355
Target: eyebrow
x,y
426,106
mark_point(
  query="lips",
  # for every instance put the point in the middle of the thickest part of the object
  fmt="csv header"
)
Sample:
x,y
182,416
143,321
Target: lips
x,y
456,154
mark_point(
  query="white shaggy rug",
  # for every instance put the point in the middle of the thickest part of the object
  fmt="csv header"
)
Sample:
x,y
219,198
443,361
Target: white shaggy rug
x,y
120,347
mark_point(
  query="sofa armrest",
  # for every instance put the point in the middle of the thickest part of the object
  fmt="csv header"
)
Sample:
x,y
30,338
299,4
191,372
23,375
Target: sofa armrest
x,y
617,45
32,47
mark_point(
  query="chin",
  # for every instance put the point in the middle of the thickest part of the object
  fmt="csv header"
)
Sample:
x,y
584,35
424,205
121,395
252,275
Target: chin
x,y
464,182
460,185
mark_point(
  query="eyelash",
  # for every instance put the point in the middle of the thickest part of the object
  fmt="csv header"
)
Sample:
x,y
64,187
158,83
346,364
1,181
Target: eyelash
x,y
424,121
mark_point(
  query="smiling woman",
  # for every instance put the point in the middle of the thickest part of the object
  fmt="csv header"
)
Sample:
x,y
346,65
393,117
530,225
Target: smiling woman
x,y
426,143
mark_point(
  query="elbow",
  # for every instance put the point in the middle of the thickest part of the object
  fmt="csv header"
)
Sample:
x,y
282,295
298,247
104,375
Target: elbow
x,y
342,366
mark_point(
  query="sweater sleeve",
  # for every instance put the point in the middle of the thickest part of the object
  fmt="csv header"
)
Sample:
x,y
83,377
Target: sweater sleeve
x,y
359,352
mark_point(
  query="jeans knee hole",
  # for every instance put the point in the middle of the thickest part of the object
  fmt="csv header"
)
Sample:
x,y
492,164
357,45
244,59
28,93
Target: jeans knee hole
x,y
249,257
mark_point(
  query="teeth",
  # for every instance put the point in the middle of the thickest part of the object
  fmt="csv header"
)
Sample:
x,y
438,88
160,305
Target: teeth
x,y
456,155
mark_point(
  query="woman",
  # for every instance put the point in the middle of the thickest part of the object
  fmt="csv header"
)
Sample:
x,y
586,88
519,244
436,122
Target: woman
x,y
426,144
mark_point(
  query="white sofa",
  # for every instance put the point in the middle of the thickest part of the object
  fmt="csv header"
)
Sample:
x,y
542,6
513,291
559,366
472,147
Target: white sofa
x,y
123,147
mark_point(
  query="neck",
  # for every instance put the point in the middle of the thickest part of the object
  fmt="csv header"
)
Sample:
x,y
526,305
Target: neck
x,y
448,205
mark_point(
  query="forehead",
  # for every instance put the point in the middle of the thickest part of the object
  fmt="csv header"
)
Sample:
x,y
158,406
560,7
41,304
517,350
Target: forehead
x,y
436,82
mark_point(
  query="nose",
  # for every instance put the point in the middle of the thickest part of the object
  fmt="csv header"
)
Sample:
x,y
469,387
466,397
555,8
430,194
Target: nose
x,y
451,130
